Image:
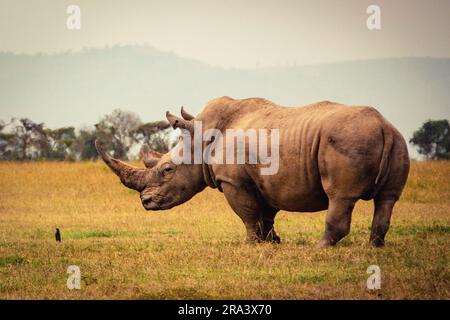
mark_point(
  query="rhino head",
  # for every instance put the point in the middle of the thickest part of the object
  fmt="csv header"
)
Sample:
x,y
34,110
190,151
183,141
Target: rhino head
x,y
162,184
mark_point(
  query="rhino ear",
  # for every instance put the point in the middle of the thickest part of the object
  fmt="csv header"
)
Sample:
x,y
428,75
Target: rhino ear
x,y
149,157
176,122
186,115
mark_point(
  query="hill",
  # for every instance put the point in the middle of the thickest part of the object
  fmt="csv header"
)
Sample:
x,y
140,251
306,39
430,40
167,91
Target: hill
x,y
76,88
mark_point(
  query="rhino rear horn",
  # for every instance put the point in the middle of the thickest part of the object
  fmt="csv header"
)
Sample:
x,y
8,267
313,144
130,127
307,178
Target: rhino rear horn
x,y
132,177
177,122
186,115
149,157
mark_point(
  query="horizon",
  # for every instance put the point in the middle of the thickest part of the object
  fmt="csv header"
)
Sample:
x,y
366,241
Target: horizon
x,y
65,89
180,56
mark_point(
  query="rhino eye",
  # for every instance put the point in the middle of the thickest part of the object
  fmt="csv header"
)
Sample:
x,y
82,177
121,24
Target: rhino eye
x,y
167,170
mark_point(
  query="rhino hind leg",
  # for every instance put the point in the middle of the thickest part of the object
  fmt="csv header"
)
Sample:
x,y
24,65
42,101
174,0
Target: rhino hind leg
x,y
338,221
381,221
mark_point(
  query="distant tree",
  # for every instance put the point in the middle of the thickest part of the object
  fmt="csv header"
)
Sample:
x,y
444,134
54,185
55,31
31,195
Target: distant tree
x,y
3,139
60,143
84,145
6,141
23,139
33,139
433,139
154,134
117,129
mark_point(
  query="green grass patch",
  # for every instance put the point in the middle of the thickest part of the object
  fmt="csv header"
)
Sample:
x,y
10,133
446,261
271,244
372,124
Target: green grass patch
x,y
11,260
406,230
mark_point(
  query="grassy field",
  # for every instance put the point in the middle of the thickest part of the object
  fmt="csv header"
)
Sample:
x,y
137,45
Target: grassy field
x,y
197,250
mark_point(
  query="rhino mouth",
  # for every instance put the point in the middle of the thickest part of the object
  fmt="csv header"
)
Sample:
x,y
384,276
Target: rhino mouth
x,y
153,203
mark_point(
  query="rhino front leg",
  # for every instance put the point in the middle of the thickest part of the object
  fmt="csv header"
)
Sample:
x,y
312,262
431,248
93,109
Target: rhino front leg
x,y
258,217
267,229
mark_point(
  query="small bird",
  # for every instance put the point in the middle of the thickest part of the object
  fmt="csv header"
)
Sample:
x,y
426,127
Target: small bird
x,y
58,235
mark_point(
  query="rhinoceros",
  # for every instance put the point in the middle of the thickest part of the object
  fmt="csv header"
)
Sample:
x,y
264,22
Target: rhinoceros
x,y
330,156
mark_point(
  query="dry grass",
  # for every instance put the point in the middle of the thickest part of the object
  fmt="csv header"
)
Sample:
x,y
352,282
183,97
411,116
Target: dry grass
x,y
197,251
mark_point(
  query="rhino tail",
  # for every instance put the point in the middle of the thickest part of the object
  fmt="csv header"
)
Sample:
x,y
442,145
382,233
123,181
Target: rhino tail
x,y
388,138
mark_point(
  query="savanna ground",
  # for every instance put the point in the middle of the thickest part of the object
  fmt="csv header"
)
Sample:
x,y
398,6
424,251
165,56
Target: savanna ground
x,y
197,250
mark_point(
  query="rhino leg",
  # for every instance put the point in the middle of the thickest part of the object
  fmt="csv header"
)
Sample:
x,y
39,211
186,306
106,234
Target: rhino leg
x,y
260,227
381,221
338,221
266,225
257,216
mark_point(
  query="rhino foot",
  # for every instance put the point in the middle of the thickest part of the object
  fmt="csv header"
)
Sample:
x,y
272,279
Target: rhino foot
x,y
377,243
272,237
324,243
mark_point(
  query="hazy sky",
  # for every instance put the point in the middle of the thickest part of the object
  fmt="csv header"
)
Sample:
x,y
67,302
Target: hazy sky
x,y
234,33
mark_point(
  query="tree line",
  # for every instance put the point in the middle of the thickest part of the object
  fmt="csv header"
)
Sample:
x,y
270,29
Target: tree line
x,y
24,139
120,131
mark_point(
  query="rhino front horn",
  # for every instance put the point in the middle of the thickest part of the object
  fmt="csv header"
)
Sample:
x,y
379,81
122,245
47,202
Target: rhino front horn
x,y
132,177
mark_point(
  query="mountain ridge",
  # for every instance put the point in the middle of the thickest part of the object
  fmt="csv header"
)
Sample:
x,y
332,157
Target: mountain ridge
x,y
77,88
